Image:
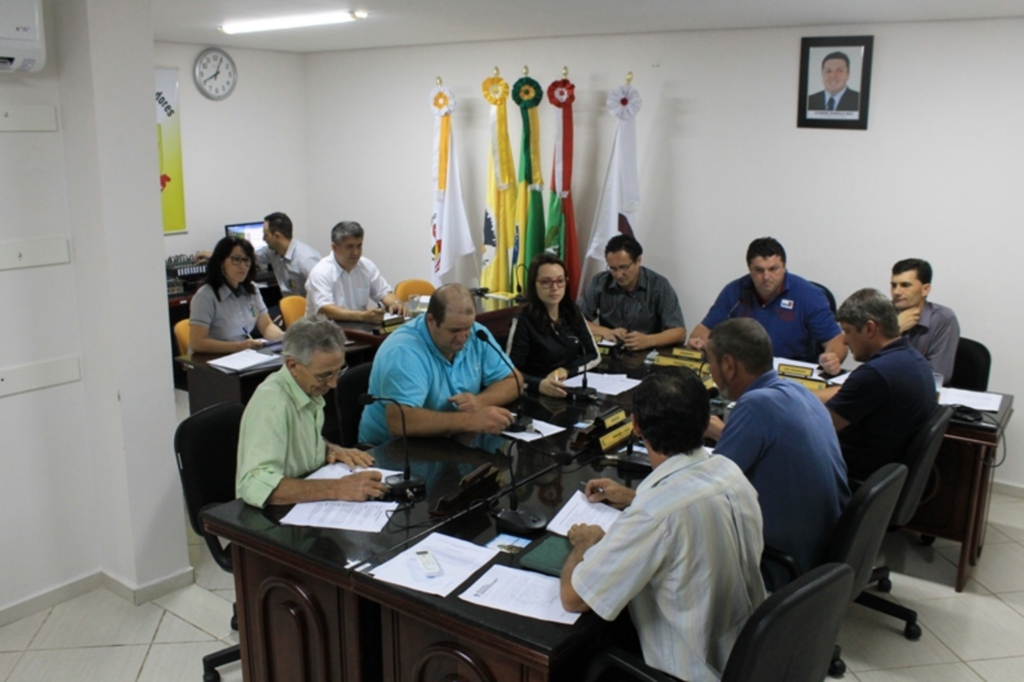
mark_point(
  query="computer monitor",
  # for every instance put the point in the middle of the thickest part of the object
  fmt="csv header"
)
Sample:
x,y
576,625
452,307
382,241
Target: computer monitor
x,y
251,232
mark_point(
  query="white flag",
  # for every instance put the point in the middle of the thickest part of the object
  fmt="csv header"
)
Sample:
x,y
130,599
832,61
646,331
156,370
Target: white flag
x,y
449,229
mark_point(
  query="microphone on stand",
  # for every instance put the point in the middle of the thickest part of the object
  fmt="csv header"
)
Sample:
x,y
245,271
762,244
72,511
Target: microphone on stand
x,y
583,392
522,422
514,520
404,484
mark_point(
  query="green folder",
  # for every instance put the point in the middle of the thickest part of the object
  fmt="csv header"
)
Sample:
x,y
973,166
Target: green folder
x,y
548,557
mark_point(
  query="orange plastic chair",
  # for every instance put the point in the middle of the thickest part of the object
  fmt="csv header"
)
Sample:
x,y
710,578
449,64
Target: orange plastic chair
x,y
181,333
408,287
292,308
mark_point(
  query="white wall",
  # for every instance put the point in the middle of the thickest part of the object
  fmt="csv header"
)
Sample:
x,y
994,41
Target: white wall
x,y
937,175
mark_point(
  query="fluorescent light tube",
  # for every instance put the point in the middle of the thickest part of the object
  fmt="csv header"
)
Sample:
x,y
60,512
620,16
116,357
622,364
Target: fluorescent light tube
x,y
298,21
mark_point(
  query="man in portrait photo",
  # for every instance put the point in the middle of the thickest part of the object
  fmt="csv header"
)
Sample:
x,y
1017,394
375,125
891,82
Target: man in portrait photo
x,y
835,72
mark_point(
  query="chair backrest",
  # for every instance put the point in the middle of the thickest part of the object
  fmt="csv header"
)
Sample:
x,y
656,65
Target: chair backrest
x,y
791,636
920,459
292,308
971,366
182,335
206,445
351,385
828,295
408,287
864,522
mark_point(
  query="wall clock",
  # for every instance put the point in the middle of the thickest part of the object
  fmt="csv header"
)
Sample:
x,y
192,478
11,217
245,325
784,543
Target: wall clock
x,y
214,73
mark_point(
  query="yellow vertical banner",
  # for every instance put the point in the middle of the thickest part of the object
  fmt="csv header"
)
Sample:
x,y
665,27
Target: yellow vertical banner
x,y
168,136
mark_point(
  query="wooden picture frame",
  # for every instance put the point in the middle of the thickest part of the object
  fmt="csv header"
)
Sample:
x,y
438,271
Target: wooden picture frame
x,y
835,82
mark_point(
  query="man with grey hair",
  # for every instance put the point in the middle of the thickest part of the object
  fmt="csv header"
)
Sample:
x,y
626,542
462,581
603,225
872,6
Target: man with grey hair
x,y
888,399
448,379
342,285
279,440
782,439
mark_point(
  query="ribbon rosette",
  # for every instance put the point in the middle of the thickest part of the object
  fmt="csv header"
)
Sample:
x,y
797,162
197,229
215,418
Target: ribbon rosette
x,y
443,100
527,93
562,93
624,102
495,90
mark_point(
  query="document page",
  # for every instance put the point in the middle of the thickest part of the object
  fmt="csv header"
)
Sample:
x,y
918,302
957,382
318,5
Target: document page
x,y
523,593
244,360
340,469
368,517
541,429
986,402
609,384
455,559
580,510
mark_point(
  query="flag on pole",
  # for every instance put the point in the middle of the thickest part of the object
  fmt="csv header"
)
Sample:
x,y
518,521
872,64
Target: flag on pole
x,y
561,235
620,196
499,215
449,227
527,93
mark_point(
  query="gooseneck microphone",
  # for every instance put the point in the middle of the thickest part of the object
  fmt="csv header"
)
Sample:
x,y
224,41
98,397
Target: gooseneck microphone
x,y
514,520
522,422
583,392
405,484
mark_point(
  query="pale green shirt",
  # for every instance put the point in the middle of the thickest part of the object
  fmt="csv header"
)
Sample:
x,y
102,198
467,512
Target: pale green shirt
x,y
279,437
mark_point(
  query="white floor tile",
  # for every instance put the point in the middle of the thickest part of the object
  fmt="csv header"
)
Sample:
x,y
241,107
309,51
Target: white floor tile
x,y
919,571
209,575
7,663
93,664
97,618
1006,514
999,669
873,641
17,635
175,630
954,672
1015,600
184,663
226,595
201,608
973,626
1000,567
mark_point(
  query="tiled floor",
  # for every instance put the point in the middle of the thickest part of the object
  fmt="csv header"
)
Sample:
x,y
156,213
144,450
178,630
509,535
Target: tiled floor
x,y
975,635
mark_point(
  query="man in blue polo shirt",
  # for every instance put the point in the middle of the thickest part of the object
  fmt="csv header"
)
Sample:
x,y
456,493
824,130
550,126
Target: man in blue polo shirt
x,y
781,437
888,399
793,311
449,380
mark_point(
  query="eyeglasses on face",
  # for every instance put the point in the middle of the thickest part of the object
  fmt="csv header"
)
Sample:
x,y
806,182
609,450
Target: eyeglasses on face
x,y
549,283
325,377
240,260
620,268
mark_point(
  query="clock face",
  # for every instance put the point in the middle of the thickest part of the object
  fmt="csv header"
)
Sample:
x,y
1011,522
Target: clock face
x,y
214,73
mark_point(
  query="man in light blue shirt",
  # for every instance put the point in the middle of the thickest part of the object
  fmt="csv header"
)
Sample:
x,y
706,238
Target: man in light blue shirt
x,y
448,380
290,259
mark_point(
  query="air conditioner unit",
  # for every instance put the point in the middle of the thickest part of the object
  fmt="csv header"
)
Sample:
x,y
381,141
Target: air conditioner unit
x,y
22,46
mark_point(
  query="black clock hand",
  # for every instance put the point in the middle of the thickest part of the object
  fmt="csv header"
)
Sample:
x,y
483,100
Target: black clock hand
x,y
215,74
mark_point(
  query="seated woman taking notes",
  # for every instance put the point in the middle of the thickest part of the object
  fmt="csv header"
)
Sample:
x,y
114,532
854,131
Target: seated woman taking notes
x,y
550,341
228,310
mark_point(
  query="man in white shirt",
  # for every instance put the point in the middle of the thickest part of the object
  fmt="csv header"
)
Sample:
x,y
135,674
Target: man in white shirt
x,y
343,283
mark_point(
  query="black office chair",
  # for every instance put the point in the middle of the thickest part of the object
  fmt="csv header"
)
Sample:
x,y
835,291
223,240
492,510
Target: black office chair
x,y
347,409
206,445
971,366
828,295
789,637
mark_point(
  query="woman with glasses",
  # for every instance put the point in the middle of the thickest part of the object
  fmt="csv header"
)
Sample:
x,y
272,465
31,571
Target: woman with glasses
x,y
228,310
550,341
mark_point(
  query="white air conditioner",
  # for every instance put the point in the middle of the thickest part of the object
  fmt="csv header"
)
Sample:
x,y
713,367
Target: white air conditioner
x,y
22,46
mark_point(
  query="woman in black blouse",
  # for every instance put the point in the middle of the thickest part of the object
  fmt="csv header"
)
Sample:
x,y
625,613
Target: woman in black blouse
x,y
549,341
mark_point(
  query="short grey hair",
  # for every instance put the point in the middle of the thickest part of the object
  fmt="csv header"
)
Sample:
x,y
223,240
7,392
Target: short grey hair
x,y
745,340
870,305
345,229
450,297
310,334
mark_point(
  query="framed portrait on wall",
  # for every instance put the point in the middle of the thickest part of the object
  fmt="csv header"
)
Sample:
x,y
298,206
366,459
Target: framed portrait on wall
x,y
835,82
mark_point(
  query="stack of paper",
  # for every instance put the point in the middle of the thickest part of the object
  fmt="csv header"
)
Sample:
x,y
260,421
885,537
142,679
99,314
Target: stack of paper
x,y
580,510
245,360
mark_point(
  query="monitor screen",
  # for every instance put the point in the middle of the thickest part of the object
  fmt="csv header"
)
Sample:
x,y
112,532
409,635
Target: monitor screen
x,y
251,232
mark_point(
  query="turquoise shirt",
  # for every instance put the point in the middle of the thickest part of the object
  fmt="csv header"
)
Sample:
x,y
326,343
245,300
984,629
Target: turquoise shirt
x,y
410,369
279,437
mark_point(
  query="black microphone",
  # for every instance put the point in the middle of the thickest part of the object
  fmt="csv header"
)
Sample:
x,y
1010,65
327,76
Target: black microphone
x,y
404,484
522,422
514,520
583,392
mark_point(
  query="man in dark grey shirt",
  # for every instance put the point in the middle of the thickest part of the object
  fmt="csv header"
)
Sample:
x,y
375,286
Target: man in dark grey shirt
x,y
929,327
631,304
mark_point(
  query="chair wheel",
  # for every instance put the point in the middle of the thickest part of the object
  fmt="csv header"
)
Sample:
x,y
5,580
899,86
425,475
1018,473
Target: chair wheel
x,y
884,585
836,668
211,676
912,631
927,540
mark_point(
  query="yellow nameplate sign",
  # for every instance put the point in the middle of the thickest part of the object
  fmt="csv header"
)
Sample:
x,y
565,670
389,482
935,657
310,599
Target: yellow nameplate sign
x,y
690,353
669,361
813,384
795,371
613,438
607,421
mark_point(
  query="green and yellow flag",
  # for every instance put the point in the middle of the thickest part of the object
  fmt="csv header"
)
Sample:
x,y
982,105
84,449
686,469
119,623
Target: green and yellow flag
x,y
527,93
499,215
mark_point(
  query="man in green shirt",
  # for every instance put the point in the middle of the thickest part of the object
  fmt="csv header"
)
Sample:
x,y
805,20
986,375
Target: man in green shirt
x,y
279,441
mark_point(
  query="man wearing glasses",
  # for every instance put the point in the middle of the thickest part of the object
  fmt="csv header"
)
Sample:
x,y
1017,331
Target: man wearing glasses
x,y
279,440
631,304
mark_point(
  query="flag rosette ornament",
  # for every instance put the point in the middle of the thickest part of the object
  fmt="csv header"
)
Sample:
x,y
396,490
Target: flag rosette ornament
x,y
624,102
527,93
495,90
562,93
443,101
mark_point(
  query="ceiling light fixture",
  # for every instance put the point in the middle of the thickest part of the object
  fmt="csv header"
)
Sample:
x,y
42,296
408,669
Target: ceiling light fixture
x,y
300,21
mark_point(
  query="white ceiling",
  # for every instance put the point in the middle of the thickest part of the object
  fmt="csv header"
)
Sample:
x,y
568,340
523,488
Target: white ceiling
x,y
422,22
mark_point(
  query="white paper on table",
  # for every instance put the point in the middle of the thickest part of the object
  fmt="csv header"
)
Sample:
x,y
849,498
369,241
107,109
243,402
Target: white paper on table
x,y
609,384
367,517
244,360
524,593
458,560
541,429
340,470
986,402
608,343
580,510
840,379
